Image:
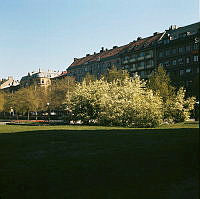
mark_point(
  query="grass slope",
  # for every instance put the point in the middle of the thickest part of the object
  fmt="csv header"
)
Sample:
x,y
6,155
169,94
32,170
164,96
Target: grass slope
x,y
99,162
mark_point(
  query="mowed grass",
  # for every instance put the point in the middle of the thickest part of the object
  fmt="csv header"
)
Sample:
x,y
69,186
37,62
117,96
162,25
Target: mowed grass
x,y
83,162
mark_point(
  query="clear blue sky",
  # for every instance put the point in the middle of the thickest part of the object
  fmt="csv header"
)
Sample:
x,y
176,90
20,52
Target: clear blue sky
x,y
48,34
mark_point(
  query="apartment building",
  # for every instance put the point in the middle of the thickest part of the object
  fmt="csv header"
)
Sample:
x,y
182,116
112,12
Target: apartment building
x,y
176,49
40,78
96,64
140,55
178,53
9,82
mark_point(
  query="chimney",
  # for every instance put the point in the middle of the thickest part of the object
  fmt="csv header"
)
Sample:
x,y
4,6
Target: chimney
x,y
75,59
173,27
87,55
10,78
95,53
155,33
115,47
102,49
139,38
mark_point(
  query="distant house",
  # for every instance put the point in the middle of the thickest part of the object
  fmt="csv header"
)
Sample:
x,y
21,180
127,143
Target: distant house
x,y
40,78
10,82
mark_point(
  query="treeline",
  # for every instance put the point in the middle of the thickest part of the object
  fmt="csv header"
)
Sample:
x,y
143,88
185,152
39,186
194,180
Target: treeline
x,y
116,99
36,99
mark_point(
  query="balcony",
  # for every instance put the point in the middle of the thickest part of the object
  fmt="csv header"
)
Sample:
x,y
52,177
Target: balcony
x,y
140,58
132,69
132,60
140,67
125,61
149,66
148,56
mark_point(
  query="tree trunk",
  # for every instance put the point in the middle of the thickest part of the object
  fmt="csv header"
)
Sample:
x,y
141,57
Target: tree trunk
x,y
28,115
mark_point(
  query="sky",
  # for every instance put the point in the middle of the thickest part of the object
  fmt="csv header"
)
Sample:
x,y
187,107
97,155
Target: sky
x,y
49,34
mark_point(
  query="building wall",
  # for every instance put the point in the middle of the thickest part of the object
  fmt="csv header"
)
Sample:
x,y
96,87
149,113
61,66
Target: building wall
x,y
8,83
176,49
40,78
178,53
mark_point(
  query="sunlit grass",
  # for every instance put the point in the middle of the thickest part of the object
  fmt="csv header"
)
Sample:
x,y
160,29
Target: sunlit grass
x,y
18,128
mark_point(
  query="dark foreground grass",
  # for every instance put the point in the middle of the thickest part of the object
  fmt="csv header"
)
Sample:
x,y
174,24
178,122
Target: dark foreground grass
x,y
99,163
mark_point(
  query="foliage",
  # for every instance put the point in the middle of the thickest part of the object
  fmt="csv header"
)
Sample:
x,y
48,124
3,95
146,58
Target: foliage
x,y
120,102
195,86
115,74
178,108
88,78
58,91
160,82
27,99
2,101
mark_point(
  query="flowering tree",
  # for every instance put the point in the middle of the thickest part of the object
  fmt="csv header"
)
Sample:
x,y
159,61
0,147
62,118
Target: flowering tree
x,y
178,108
125,102
2,101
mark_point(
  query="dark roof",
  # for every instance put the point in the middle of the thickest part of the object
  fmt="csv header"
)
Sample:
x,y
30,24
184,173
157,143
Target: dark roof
x,y
135,45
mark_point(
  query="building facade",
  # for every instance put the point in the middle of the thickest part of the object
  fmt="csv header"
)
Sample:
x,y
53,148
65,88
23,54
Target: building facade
x,y
178,53
140,56
176,49
96,64
40,78
7,83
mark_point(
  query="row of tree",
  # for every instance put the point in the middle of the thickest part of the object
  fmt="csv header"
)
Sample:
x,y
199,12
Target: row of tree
x,y
115,99
35,99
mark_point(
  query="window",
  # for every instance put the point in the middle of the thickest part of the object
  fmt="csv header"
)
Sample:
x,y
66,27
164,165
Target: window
x,y
196,58
197,69
189,83
141,65
133,67
148,72
160,54
149,63
141,54
167,63
181,72
166,41
42,81
187,60
174,62
167,52
188,48
174,51
180,50
196,47
180,60
142,73
127,57
188,70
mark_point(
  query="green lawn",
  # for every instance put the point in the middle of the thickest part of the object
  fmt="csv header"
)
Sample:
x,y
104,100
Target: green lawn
x,y
81,162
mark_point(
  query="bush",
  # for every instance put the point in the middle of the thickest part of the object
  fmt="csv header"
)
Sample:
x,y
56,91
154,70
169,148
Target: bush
x,y
178,108
120,103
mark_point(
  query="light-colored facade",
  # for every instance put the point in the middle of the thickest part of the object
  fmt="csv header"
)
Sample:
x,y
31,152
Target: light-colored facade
x,y
8,83
40,78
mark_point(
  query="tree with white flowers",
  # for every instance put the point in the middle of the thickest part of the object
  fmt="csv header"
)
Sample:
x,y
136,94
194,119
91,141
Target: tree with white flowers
x,y
120,102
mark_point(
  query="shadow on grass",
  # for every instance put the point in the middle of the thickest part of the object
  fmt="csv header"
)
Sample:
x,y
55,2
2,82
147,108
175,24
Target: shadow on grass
x,y
96,164
115,131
